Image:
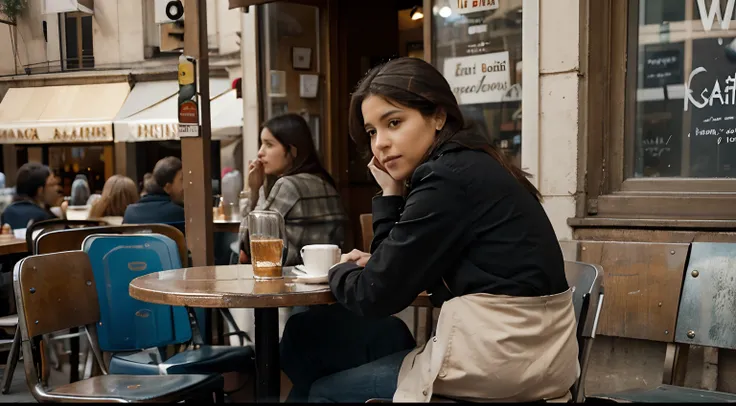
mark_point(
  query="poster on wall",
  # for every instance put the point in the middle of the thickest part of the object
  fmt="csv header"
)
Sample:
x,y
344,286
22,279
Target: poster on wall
x,y
473,6
479,78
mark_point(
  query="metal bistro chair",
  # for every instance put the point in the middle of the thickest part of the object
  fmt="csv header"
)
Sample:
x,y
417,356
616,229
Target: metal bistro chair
x,y
705,318
586,282
33,232
56,292
71,240
129,326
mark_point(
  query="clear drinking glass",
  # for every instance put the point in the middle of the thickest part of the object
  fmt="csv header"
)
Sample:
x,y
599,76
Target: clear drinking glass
x,y
267,234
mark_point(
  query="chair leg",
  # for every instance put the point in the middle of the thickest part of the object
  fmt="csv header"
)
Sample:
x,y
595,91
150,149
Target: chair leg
x,y
88,364
53,353
675,364
12,361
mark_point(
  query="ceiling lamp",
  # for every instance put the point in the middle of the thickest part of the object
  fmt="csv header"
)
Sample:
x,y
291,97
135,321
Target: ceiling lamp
x,y
416,13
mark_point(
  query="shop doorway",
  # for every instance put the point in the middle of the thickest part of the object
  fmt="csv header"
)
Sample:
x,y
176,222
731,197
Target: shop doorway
x,y
370,33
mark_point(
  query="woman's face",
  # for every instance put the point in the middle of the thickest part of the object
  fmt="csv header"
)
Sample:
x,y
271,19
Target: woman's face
x,y
400,136
273,155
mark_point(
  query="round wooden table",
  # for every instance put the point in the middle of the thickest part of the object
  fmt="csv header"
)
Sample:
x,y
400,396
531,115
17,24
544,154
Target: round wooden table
x,y
233,286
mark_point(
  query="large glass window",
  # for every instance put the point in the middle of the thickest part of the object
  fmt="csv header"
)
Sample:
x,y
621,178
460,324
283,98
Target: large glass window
x,y
684,122
477,46
93,161
292,75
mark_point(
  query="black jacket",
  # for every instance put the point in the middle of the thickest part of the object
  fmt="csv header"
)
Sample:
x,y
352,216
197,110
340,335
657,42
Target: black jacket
x,y
466,223
19,214
155,209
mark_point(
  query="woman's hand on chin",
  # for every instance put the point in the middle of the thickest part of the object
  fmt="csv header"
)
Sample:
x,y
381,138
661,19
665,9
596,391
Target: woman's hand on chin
x,y
389,185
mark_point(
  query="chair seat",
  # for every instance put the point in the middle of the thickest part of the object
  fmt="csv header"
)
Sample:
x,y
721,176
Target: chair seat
x,y
138,388
204,360
667,393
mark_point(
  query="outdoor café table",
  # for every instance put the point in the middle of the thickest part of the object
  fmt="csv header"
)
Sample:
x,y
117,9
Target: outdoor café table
x,y
233,286
226,226
11,245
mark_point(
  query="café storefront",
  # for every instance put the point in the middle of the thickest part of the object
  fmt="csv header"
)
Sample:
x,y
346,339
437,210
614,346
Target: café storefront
x,y
312,53
69,128
636,165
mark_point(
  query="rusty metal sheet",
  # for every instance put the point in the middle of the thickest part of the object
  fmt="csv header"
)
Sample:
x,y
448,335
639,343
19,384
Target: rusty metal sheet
x,y
708,304
642,282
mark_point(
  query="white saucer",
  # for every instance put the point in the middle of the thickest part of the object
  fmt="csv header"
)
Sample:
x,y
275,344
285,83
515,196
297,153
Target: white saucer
x,y
311,279
302,278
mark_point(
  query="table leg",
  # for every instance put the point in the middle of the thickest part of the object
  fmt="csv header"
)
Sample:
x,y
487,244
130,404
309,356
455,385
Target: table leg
x,y
74,356
268,370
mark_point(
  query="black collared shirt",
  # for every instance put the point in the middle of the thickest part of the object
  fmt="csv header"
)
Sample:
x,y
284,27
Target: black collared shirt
x,y
18,214
467,226
155,209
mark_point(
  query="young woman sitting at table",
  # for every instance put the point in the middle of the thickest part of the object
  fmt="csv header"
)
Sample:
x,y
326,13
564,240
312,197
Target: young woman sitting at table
x,y
457,220
288,178
118,193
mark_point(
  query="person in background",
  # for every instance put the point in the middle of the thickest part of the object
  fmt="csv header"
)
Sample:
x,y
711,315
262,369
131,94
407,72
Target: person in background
x,y
37,189
147,185
118,193
163,203
231,185
303,192
80,191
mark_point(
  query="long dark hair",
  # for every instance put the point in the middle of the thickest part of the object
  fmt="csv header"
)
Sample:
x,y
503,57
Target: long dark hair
x,y
292,130
416,84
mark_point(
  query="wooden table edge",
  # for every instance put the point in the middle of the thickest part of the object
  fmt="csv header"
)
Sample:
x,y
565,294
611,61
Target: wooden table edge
x,y
241,302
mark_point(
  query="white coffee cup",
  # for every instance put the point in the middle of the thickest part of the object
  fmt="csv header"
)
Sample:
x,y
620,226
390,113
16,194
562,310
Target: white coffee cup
x,y
319,258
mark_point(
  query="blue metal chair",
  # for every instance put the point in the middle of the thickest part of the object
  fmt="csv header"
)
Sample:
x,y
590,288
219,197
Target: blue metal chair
x,y
135,331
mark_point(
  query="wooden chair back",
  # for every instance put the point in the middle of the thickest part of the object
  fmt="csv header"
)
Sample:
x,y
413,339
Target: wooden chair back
x,y
55,292
72,239
366,231
55,224
643,281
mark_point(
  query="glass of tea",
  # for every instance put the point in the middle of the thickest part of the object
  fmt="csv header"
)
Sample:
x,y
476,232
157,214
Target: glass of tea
x,y
267,234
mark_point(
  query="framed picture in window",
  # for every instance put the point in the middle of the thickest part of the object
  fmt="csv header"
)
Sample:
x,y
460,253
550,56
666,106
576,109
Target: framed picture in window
x,y
301,58
278,83
308,86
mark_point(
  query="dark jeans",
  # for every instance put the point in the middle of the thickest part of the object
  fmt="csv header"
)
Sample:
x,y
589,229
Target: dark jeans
x,y
332,355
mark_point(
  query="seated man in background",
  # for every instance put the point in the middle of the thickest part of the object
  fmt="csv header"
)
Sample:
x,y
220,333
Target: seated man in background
x,y
164,199
36,191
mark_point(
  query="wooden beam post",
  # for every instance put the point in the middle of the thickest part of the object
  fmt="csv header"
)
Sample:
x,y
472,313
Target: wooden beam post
x,y
195,152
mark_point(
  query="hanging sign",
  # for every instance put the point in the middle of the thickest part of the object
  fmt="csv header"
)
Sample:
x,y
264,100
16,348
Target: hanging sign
x,y
473,6
188,98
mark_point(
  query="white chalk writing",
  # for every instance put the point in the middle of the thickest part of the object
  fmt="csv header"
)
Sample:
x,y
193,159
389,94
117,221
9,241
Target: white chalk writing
x,y
725,97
